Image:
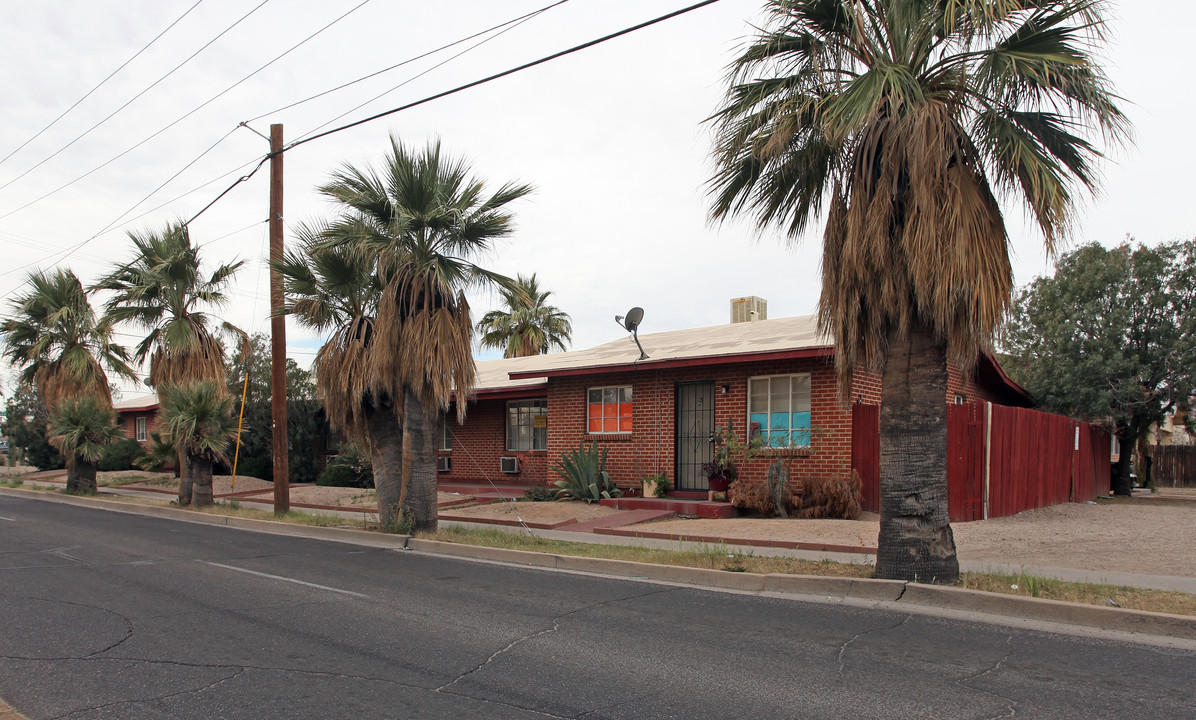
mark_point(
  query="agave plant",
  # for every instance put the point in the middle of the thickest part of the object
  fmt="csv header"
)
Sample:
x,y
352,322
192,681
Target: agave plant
x,y
584,476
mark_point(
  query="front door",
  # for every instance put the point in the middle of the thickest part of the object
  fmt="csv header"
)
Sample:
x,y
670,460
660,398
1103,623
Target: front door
x,y
693,427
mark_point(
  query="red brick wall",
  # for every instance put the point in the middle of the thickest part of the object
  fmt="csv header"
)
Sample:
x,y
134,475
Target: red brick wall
x,y
128,421
481,441
649,449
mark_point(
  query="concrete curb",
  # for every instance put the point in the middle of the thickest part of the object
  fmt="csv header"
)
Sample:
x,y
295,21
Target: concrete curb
x,y
1139,622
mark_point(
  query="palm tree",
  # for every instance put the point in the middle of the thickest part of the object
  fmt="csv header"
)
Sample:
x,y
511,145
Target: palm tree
x,y
529,325
908,119
62,348
334,289
162,291
424,218
80,428
198,418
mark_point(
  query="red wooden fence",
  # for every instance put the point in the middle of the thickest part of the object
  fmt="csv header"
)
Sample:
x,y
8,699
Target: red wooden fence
x,y
865,453
1033,459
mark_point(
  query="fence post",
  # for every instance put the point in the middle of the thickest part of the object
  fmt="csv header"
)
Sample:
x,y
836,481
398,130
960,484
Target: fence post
x,y
988,451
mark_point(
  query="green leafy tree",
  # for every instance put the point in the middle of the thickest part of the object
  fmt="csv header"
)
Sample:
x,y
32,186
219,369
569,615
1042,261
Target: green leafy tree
x,y
80,428
425,218
528,325
1110,338
906,121
26,419
305,425
198,418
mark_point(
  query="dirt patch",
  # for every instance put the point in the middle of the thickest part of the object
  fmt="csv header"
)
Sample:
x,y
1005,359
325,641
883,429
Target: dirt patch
x,y
221,484
537,512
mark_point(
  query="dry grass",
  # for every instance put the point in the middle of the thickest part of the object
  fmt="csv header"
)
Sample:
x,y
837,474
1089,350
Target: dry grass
x,y
1164,601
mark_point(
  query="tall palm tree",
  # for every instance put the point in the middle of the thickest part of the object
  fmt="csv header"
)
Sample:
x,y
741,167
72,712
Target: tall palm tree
x,y
62,348
80,428
163,292
334,289
425,218
199,419
909,119
528,325
59,343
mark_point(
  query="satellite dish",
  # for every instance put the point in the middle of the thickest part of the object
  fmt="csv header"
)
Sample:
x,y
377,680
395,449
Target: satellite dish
x,y
634,317
631,323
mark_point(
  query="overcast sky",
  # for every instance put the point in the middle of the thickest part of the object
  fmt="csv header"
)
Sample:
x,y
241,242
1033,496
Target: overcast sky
x,y
611,137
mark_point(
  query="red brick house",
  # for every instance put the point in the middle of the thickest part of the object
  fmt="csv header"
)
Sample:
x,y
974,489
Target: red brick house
x,y
657,416
138,416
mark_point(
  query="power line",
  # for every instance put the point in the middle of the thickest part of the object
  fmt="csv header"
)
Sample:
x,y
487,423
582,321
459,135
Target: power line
x,y
407,61
434,67
505,73
197,108
101,83
114,112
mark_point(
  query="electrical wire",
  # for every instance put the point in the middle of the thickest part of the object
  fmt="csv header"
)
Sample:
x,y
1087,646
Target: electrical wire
x,y
415,77
191,112
101,83
122,107
407,61
505,73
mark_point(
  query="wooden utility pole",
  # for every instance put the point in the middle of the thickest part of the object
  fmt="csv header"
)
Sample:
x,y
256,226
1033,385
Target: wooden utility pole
x,y
278,333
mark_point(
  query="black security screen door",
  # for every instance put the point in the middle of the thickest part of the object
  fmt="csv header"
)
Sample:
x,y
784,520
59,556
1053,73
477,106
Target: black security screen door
x,y
693,426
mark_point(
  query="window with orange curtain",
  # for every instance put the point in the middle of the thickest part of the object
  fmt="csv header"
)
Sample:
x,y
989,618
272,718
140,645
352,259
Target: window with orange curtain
x,y
609,409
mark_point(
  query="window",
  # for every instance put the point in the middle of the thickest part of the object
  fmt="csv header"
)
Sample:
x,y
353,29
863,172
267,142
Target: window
x,y
610,409
139,429
446,433
961,399
527,425
780,406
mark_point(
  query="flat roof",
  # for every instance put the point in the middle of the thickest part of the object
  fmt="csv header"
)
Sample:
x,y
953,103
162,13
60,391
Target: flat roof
x,y
760,340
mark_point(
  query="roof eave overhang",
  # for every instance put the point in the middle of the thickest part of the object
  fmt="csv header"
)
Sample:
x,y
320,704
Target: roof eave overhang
x,y
531,390
672,363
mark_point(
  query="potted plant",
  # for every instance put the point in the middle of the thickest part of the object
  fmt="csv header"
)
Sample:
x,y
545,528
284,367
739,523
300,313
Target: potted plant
x,y
656,486
729,449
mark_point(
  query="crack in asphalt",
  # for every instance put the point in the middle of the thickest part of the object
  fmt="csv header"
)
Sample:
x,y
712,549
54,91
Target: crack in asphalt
x,y
158,698
556,625
1012,704
844,646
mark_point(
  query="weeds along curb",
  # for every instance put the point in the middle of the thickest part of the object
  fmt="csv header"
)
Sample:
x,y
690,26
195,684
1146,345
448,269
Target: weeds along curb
x,y
896,592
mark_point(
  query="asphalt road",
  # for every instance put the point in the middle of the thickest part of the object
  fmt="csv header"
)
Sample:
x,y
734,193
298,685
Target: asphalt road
x,y
109,615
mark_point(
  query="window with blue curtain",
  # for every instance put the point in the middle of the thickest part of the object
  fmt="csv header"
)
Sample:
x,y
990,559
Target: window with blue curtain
x,y
779,405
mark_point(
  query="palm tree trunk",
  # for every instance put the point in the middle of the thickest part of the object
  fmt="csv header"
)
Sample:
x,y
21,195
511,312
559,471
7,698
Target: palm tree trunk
x,y
386,456
72,475
419,430
86,472
185,480
915,542
201,478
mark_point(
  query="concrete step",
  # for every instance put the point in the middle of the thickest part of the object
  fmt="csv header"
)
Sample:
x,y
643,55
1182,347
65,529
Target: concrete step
x,y
700,508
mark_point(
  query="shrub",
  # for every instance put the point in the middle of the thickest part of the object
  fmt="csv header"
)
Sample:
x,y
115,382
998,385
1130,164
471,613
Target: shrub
x,y
351,468
663,484
120,455
752,497
539,493
258,467
584,476
831,497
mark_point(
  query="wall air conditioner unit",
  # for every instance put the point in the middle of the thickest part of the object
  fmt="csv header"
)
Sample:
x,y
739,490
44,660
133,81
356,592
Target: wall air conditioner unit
x,y
444,464
509,465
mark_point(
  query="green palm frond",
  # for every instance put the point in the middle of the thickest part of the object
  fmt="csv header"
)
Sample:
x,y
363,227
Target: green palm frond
x,y
905,124
53,335
163,292
80,427
528,325
198,417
